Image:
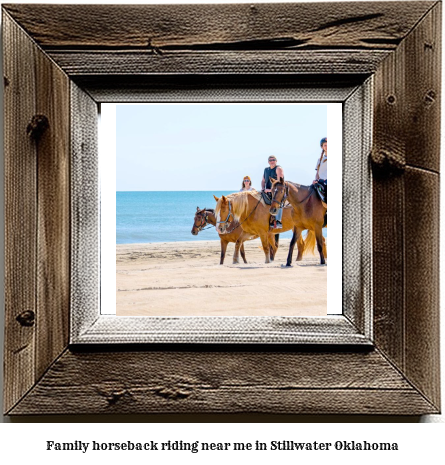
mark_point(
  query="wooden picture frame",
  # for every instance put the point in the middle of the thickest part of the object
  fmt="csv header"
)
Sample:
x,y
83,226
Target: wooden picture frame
x,y
381,358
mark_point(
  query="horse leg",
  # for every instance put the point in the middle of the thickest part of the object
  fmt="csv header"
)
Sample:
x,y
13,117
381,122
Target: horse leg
x,y
223,251
319,237
266,244
300,248
273,245
277,240
243,254
273,251
295,237
238,245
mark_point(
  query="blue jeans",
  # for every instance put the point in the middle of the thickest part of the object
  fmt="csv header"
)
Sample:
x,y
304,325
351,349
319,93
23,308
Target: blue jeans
x,y
279,215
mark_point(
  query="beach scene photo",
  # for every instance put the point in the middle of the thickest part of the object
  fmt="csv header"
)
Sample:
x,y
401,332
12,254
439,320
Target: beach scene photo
x,y
208,200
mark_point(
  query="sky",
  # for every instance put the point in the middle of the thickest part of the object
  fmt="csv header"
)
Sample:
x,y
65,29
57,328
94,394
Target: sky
x,y
204,147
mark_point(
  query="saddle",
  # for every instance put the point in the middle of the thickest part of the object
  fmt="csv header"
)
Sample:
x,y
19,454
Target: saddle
x,y
267,197
321,188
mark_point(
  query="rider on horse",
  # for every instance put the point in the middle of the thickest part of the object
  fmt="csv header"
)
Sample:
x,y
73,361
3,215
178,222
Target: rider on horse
x,y
321,177
273,171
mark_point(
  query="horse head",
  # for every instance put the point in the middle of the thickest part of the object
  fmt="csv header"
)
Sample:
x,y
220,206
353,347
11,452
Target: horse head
x,y
223,214
199,221
278,194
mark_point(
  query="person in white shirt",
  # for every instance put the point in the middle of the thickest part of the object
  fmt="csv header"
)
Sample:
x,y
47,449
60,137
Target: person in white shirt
x,y
322,163
246,185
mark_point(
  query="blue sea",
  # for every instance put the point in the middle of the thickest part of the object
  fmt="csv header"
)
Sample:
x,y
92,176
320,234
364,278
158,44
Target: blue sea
x,y
163,216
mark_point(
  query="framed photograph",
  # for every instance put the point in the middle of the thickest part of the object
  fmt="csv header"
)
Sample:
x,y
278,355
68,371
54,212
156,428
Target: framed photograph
x,y
176,166
375,347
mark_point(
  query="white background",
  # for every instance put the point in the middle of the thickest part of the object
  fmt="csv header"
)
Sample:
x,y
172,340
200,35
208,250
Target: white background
x,y
22,442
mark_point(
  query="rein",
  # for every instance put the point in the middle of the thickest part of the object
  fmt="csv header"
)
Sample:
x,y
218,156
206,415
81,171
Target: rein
x,y
311,189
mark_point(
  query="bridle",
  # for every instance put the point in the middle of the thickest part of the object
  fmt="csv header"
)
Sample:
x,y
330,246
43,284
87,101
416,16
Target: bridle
x,y
311,190
204,222
230,214
283,200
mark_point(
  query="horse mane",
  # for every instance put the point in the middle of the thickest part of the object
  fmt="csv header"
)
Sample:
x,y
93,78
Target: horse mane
x,y
240,202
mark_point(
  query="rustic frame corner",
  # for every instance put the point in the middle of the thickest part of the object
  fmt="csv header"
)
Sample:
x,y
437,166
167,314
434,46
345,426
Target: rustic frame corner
x,y
55,76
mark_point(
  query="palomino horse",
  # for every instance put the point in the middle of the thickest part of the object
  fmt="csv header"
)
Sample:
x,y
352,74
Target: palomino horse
x,y
308,212
207,216
253,216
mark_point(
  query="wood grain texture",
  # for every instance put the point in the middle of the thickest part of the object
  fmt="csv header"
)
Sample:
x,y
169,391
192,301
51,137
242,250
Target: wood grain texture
x,y
120,62
218,87
356,184
223,382
348,25
84,205
406,206
389,141
53,227
20,212
422,281
423,48
388,268
107,329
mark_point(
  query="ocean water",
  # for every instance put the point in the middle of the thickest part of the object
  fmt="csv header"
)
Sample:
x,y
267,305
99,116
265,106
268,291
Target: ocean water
x,y
143,217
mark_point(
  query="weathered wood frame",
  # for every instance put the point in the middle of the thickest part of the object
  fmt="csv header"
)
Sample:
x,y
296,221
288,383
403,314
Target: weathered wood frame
x,y
74,57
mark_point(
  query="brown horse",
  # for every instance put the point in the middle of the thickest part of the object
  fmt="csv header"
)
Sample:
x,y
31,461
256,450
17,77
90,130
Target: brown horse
x,y
309,212
207,216
253,215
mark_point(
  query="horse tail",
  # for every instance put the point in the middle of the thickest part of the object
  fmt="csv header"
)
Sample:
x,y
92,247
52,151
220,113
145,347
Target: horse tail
x,y
309,243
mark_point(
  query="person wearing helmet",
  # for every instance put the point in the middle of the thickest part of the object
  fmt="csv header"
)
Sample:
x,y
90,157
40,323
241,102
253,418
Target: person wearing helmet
x,y
321,177
246,184
322,163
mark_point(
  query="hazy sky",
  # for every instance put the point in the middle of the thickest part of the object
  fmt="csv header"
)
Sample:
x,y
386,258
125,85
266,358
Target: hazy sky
x,y
212,147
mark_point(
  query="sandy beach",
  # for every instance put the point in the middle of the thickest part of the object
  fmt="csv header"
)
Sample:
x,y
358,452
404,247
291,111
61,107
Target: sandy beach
x,y
185,279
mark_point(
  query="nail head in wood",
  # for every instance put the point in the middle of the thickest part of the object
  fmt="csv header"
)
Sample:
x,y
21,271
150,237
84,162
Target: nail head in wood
x,y
37,126
26,318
